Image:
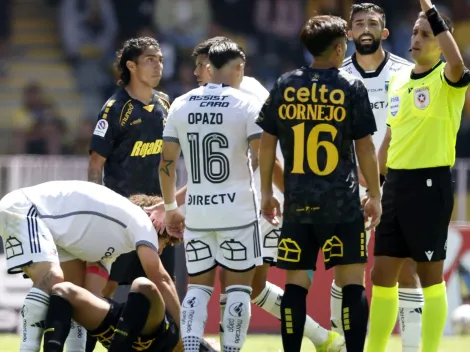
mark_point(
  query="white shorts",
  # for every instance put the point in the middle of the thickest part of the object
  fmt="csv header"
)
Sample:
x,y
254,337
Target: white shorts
x,y
270,239
235,250
26,237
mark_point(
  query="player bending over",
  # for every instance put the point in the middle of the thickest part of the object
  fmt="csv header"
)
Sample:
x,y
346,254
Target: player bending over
x,y
140,324
265,295
68,223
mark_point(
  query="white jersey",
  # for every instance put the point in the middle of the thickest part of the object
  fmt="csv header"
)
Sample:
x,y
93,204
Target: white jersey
x,y
91,221
253,87
376,83
213,125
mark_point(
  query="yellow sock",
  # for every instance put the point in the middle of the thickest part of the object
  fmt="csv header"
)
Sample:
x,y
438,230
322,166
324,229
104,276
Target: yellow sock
x,y
382,318
434,316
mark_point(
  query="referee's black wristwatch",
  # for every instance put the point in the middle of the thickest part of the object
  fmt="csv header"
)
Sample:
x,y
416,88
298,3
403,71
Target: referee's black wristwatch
x,y
436,22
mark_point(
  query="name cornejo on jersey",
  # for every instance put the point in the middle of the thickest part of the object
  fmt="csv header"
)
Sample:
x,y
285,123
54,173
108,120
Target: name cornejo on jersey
x,y
328,105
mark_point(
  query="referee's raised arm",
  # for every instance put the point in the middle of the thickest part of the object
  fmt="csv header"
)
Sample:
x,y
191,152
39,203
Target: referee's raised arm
x,y
425,104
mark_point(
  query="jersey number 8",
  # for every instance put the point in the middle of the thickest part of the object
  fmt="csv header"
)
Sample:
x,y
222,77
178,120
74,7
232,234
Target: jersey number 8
x,y
313,146
215,165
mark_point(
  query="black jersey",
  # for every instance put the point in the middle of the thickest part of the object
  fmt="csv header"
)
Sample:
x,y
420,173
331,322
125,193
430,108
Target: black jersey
x,y
316,115
129,135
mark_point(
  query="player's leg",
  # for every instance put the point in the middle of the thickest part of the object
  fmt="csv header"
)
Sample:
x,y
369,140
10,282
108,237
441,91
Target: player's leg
x,y
426,230
74,272
238,252
268,296
410,306
346,251
71,301
30,248
201,250
390,252
297,253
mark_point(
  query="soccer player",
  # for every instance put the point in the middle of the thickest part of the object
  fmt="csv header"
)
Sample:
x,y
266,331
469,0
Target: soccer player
x,y
127,141
153,329
64,221
375,66
265,294
214,125
425,108
318,114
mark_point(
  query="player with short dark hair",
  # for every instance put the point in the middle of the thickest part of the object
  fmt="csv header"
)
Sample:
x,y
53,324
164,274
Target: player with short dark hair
x,y
375,67
265,295
319,114
127,141
425,104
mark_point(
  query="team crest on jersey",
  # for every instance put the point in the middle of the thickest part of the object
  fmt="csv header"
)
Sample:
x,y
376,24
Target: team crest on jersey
x,y
394,105
422,98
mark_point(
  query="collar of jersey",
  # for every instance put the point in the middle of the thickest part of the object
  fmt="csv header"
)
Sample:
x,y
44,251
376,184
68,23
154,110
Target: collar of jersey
x,y
424,74
372,74
153,101
217,84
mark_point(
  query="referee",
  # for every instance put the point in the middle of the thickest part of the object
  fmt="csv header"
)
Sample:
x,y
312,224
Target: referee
x,y
425,107
127,142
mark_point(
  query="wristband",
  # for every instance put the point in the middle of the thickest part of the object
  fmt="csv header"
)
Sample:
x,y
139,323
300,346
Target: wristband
x,y
436,22
171,206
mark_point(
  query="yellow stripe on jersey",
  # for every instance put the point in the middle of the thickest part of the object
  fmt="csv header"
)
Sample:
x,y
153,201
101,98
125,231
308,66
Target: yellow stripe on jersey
x,y
424,117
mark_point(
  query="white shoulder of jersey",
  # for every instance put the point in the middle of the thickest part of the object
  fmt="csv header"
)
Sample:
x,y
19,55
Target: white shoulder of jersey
x,y
253,87
399,61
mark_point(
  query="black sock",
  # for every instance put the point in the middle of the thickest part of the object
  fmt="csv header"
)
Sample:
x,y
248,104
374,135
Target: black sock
x,y
90,342
355,315
58,322
131,323
293,312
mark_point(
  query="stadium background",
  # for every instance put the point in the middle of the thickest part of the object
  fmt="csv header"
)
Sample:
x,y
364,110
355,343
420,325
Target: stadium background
x,y
56,72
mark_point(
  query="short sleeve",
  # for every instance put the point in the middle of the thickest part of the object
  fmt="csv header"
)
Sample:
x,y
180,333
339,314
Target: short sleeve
x,y
253,131
363,120
141,229
170,133
463,82
268,115
106,131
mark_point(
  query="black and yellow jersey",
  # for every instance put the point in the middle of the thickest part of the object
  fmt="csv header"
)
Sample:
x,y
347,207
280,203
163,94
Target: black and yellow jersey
x,y
129,135
317,115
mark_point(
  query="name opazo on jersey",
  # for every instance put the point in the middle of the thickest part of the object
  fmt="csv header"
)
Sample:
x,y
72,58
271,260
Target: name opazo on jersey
x,y
316,115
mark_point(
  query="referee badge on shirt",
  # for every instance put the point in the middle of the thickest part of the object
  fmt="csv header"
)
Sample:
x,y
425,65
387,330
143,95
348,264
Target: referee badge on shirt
x,y
394,105
422,98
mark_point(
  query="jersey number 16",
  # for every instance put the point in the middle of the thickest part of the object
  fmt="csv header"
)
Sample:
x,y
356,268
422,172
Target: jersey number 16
x,y
313,146
215,165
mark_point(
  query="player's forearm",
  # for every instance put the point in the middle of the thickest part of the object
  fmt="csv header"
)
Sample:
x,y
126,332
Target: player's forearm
x,y
170,297
451,53
278,175
267,158
168,179
370,169
181,195
383,153
95,175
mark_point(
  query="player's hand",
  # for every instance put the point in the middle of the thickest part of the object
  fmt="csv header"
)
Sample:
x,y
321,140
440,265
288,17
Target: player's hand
x,y
373,210
157,216
175,223
271,209
425,5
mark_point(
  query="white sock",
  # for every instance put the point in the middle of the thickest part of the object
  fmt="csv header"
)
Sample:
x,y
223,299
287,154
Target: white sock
x,y
34,313
236,317
223,302
336,301
76,341
410,307
270,299
194,316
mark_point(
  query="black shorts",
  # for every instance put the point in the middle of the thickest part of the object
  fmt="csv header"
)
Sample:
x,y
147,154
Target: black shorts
x,y
164,339
341,244
416,211
127,267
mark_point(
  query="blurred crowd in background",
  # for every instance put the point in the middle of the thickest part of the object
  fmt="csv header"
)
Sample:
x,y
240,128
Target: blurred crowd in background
x,y
56,56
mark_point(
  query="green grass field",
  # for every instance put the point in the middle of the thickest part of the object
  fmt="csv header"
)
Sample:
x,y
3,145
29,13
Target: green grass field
x,y
272,343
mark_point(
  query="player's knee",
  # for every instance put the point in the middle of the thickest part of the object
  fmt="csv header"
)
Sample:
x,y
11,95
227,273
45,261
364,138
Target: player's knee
x,y
145,287
65,290
352,274
408,277
45,275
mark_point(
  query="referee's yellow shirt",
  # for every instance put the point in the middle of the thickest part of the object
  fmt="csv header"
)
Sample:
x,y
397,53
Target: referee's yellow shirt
x,y
424,113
